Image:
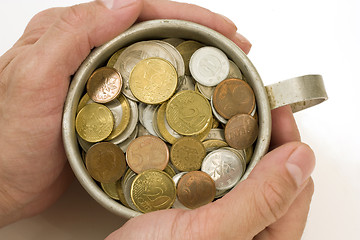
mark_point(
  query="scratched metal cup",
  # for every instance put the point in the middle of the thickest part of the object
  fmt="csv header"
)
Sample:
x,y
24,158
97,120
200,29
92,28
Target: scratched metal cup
x,y
300,92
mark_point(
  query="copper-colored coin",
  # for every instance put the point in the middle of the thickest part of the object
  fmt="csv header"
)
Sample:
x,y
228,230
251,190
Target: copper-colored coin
x,y
241,131
196,189
147,152
105,162
233,96
187,154
104,85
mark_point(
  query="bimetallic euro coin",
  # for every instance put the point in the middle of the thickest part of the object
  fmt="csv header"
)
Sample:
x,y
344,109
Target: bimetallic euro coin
x,y
153,190
209,66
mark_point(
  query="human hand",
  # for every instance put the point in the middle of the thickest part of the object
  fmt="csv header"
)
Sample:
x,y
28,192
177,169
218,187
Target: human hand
x,y
272,203
34,79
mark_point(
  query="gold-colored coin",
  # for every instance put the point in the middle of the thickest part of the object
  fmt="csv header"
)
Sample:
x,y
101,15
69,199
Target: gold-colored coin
x,y
195,189
241,131
165,130
120,192
83,102
114,58
153,80
111,189
153,190
94,122
186,50
169,170
187,154
121,124
249,152
213,144
188,113
202,136
105,162
104,85
147,152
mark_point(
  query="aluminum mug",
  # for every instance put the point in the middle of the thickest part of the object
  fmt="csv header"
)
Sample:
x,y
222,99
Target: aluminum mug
x,y
301,93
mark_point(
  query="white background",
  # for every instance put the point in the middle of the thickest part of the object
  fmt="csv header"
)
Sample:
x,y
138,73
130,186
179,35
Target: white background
x,y
290,38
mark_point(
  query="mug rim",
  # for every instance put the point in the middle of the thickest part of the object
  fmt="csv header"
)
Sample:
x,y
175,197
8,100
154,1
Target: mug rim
x,y
148,30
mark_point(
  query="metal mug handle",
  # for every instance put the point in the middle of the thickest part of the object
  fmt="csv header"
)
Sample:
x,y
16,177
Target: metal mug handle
x,y
300,92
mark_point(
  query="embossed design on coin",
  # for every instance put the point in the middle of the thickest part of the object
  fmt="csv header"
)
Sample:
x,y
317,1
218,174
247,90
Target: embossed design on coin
x,y
147,152
209,66
186,50
104,85
195,189
224,167
94,122
188,113
153,190
153,80
105,162
233,96
187,154
241,131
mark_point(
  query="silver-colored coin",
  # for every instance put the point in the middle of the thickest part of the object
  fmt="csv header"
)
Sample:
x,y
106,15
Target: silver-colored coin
x,y
187,83
134,117
117,111
209,66
224,167
216,114
254,111
85,145
221,193
173,41
142,130
217,134
147,118
141,108
177,203
177,56
134,54
155,125
234,71
241,154
205,90
127,189
124,145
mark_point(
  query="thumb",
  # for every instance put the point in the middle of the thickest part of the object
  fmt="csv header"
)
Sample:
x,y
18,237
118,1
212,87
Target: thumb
x,y
267,194
80,28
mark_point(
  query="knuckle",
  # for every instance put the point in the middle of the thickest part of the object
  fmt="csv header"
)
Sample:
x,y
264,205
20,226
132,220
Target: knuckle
x,y
75,16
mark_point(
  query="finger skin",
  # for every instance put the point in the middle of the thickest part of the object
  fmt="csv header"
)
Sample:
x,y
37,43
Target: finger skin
x,y
291,226
247,210
284,128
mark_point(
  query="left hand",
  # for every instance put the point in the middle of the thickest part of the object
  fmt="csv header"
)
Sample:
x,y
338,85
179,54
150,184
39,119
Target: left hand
x,y
34,80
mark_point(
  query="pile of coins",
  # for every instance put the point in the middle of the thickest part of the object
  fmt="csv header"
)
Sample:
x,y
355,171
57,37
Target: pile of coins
x,y
167,123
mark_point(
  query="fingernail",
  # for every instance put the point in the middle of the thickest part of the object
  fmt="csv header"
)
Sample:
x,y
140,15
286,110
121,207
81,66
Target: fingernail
x,y
116,4
301,164
228,20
